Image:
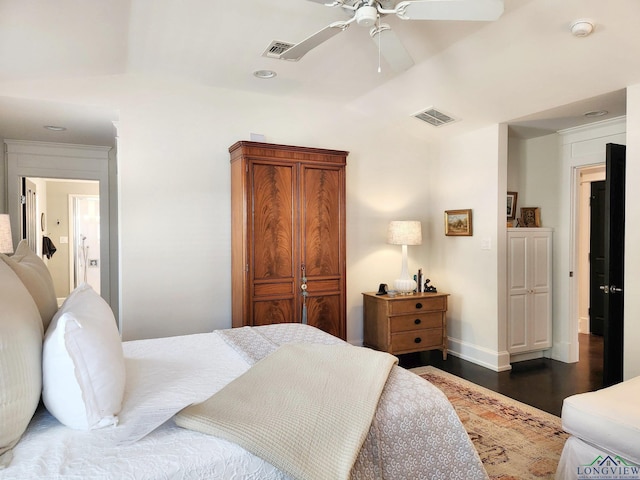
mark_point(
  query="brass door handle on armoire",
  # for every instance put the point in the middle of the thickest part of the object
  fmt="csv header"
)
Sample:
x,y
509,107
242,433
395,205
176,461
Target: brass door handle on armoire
x,y
288,232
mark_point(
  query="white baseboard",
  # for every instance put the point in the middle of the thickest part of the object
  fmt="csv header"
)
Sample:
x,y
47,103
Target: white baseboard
x,y
491,359
523,357
583,325
564,352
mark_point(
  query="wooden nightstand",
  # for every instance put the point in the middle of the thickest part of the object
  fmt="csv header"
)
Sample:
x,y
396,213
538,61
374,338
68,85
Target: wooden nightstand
x,y
406,323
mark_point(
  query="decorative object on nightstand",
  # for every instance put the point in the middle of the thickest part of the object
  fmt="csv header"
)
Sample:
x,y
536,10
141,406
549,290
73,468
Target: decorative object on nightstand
x,y
6,242
399,324
404,232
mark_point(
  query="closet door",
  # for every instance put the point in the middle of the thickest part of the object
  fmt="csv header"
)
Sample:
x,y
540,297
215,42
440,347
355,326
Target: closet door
x,y
274,254
322,260
529,289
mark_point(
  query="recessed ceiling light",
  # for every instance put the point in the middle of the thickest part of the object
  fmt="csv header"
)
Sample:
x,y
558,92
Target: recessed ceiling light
x,y
264,74
596,113
55,128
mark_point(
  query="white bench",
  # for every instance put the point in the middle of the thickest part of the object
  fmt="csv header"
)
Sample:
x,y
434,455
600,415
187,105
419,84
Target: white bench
x,y
605,432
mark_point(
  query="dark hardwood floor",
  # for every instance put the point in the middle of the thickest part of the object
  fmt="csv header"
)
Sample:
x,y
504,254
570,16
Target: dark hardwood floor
x,y
542,383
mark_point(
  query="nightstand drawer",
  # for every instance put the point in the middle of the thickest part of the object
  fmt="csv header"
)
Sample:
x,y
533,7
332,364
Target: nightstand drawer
x,y
416,340
416,305
404,323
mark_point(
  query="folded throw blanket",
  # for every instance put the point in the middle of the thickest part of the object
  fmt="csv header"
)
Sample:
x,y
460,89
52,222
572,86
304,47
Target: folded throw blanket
x,y
305,408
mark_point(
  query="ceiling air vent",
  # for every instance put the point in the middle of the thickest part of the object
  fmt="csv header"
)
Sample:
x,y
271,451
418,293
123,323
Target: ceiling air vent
x,y
434,117
276,48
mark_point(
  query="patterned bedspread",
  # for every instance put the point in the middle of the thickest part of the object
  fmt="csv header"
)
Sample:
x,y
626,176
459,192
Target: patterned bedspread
x,y
415,434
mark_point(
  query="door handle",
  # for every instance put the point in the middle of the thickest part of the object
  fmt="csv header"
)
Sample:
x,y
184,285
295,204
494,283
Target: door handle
x,y
610,289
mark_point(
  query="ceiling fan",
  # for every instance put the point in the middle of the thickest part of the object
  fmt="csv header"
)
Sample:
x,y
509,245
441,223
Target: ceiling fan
x,y
367,13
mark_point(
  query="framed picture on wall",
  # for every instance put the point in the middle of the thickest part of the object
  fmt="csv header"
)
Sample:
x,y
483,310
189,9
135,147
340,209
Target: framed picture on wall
x,y
512,201
530,216
458,223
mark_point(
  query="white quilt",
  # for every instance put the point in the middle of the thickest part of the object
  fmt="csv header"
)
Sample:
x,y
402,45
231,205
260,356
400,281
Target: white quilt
x,y
164,375
306,409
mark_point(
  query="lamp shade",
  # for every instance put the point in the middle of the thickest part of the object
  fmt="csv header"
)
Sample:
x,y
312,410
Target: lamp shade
x,y
6,242
404,232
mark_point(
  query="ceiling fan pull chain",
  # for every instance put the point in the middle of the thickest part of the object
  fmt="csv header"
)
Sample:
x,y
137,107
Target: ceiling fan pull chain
x,y
379,46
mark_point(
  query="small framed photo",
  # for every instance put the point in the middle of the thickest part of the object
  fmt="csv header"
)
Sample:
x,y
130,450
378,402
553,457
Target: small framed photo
x,y
458,223
530,216
512,201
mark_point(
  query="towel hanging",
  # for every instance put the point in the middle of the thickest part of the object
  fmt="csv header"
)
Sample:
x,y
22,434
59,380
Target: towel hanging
x,y
48,248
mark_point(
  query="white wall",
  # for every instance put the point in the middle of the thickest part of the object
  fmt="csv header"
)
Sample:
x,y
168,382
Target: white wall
x,y
538,178
175,209
466,172
632,253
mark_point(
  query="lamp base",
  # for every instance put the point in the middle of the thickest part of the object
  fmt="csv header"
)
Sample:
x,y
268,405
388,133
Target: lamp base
x,y
404,286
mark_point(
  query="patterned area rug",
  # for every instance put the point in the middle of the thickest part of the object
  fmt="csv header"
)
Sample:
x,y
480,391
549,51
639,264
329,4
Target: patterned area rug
x,y
514,441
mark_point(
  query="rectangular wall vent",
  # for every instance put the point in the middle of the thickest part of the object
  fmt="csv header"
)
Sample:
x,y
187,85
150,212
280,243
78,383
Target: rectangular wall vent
x,y
276,48
434,117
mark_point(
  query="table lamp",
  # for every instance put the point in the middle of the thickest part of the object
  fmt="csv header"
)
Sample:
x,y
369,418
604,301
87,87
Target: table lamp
x,y
404,232
6,242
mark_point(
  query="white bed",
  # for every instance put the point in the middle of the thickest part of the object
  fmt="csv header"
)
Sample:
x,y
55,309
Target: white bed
x,y
110,406
169,373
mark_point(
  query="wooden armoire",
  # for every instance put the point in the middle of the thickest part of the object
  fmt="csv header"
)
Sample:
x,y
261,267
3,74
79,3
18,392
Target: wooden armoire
x,y
288,236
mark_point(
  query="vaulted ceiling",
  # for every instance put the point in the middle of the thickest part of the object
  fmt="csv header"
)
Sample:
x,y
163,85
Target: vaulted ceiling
x,y
525,68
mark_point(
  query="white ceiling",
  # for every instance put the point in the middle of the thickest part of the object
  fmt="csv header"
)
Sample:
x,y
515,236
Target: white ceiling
x,y
525,69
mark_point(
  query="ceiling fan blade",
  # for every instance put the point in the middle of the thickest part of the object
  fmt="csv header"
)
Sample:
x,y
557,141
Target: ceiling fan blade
x,y
475,10
391,48
296,52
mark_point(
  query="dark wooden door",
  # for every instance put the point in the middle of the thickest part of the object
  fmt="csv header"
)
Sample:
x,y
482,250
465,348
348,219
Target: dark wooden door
x,y
596,258
613,285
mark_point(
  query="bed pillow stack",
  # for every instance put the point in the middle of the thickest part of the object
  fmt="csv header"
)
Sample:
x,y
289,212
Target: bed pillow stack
x,y
20,359
83,363
35,276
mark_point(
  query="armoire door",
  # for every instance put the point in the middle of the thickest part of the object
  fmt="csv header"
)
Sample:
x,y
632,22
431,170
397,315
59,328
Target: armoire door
x,y
273,264
322,248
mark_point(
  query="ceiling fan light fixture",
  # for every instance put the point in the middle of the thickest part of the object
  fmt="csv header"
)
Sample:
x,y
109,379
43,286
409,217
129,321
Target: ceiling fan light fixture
x,y
366,16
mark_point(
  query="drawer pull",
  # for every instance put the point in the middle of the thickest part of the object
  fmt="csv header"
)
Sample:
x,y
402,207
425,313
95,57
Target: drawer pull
x,y
417,340
418,305
417,321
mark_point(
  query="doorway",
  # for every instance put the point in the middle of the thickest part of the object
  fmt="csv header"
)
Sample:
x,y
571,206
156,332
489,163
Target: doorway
x,y
64,211
600,260
588,176
590,339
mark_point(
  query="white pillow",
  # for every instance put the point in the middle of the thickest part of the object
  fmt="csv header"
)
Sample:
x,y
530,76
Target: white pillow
x,y
83,365
36,277
20,360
